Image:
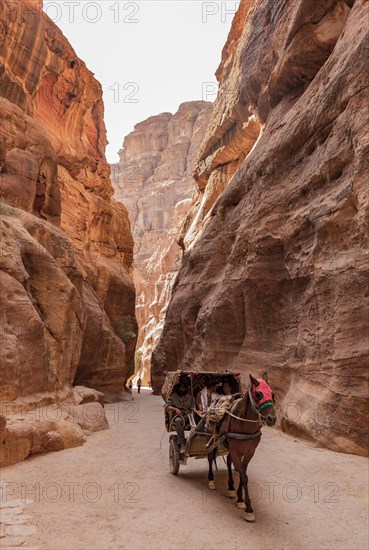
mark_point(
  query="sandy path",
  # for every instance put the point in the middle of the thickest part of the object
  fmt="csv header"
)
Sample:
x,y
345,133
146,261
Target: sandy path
x,y
116,492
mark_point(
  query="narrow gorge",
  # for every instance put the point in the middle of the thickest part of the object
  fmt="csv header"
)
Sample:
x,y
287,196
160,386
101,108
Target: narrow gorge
x,y
229,236
185,330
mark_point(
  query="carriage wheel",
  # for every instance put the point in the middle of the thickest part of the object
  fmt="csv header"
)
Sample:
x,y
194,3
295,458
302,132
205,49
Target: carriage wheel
x,y
173,458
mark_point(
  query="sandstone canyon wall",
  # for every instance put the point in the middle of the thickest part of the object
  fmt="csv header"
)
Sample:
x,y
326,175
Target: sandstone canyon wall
x,y
275,271
154,180
66,291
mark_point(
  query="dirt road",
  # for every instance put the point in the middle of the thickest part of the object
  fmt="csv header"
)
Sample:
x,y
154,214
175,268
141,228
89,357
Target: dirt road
x,y
116,492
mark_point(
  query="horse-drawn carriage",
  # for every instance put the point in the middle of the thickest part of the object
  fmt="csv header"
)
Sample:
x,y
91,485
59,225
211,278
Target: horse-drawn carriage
x,y
198,441
236,434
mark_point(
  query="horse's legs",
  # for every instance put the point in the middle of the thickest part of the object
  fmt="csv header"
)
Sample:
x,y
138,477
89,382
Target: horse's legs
x,y
230,476
236,458
210,461
240,502
239,493
245,481
211,458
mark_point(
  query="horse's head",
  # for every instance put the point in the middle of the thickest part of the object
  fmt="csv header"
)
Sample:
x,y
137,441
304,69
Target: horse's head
x,y
262,399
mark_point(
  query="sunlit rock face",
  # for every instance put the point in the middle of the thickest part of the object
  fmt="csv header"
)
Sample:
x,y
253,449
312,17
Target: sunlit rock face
x,y
275,271
154,180
67,296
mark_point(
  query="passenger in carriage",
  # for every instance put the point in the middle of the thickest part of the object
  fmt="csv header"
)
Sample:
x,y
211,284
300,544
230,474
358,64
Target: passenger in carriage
x,y
207,395
227,387
179,404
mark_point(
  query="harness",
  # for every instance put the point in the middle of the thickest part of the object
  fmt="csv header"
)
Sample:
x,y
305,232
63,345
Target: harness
x,y
232,435
240,436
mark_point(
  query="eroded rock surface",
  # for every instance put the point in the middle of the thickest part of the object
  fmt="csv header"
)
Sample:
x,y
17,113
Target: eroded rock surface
x,y
154,180
66,291
275,273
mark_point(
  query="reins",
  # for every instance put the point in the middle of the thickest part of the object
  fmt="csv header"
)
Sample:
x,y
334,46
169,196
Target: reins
x,y
239,418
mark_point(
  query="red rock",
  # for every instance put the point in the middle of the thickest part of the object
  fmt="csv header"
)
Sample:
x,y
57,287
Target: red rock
x,y
275,271
53,442
38,430
2,422
89,416
66,247
84,395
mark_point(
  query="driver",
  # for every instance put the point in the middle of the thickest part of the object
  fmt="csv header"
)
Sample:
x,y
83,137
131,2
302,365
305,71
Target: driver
x,y
179,404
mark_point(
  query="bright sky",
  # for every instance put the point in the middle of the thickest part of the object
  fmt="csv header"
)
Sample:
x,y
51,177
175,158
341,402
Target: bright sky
x,y
149,55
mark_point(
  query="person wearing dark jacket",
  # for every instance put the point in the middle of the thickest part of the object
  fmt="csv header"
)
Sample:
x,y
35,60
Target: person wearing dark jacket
x,y
179,404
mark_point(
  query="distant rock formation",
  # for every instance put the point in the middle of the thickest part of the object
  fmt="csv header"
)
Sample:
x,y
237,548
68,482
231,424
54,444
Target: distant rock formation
x,y
154,180
275,271
66,291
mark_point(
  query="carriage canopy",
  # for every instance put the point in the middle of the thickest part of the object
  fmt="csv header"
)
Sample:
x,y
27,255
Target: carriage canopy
x,y
196,380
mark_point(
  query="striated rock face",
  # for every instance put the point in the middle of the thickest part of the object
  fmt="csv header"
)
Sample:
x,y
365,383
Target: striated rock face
x,y
66,292
275,274
154,180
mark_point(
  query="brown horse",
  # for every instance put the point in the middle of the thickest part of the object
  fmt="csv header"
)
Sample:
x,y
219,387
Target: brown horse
x,y
241,427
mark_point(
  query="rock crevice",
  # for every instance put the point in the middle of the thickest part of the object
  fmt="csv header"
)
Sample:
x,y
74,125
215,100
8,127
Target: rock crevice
x,y
154,180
